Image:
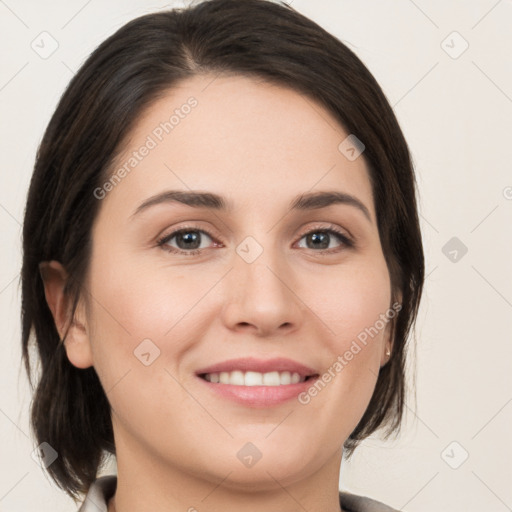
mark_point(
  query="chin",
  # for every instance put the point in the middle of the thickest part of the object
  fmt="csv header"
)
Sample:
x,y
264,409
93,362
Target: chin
x,y
246,472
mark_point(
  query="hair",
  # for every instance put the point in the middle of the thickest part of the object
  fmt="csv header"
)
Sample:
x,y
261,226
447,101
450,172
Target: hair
x,y
128,72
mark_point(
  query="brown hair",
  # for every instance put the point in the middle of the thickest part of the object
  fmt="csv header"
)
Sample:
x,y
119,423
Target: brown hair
x,y
122,77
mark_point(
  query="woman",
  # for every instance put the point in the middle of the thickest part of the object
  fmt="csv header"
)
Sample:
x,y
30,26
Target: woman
x,y
238,371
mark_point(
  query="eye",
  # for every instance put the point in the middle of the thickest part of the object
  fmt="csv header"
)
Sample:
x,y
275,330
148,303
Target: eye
x,y
321,238
189,241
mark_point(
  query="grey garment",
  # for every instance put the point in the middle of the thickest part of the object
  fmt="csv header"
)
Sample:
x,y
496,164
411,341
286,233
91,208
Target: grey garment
x,y
355,503
103,489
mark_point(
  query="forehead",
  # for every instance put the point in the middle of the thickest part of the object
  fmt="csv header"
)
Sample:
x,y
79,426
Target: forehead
x,y
241,137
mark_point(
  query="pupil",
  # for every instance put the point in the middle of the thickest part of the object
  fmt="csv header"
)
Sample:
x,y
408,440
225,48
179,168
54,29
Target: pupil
x,y
187,237
322,238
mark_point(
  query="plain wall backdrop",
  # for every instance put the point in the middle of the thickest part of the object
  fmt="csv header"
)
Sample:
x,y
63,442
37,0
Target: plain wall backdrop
x,y
446,68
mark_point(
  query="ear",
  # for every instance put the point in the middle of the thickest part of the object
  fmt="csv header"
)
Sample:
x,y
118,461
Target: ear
x,y
76,343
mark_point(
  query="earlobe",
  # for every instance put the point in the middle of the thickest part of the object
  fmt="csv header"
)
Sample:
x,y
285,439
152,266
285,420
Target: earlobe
x,y
74,330
387,347
387,352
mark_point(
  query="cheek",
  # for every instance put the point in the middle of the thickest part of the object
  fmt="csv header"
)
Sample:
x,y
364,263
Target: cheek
x,y
352,305
140,309
142,301
139,332
352,299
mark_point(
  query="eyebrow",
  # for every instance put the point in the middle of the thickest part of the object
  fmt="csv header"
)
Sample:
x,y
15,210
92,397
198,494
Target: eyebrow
x,y
306,201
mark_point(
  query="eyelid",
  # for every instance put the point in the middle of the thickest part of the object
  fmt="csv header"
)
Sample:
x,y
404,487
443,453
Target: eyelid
x,y
327,227
167,235
344,235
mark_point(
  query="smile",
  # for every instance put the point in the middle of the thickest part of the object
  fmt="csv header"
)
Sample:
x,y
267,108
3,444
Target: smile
x,y
240,378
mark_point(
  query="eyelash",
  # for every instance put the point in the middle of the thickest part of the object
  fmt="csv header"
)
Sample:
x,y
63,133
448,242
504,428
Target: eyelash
x,y
343,238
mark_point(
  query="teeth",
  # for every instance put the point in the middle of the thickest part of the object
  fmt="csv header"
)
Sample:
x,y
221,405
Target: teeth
x,y
238,378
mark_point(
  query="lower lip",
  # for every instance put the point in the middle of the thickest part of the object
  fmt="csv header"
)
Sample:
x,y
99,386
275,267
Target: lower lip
x,y
259,396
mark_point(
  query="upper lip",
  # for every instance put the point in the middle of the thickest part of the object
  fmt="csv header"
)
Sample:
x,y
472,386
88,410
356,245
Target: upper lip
x,y
251,364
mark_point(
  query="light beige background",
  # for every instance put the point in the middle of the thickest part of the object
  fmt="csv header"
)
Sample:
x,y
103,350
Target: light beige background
x,y
455,111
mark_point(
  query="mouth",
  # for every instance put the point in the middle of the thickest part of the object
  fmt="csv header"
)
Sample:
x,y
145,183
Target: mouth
x,y
250,378
250,371
257,383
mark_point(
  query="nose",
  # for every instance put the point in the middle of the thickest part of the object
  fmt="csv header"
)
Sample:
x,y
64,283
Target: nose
x,y
260,296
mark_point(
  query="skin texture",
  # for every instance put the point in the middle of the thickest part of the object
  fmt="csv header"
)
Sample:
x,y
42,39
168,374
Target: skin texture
x,y
259,145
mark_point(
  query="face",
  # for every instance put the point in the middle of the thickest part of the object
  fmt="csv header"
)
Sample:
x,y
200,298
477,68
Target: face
x,y
178,285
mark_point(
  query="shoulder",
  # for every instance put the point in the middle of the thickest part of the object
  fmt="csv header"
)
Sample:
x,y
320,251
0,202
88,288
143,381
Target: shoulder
x,y
355,503
101,490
